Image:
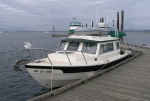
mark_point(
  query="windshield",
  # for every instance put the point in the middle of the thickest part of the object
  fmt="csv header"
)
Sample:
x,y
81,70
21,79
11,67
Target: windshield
x,y
73,46
89,48
62,45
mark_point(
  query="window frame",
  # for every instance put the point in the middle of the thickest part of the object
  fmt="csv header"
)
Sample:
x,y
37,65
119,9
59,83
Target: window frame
x,y
90,47
58,49
117,45
106,47
109,48
73,42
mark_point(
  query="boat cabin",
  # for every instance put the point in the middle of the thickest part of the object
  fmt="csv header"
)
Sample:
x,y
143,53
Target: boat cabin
x,y
92,48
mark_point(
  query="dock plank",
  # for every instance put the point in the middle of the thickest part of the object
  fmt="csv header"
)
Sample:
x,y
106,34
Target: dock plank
x,y
109,87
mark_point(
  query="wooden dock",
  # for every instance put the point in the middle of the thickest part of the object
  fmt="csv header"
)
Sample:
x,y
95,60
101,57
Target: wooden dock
x,y
126,81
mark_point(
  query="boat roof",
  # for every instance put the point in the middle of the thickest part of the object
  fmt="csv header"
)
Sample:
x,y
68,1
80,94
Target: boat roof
x,y
90,39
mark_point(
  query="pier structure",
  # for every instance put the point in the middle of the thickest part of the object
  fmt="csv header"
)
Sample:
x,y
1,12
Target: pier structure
x,y
126,81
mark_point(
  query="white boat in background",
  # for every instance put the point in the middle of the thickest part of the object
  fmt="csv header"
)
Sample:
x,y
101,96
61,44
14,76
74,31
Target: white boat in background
x,y
74,25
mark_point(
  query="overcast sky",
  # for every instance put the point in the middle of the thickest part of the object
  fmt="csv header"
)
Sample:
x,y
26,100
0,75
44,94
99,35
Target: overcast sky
x,y
36,15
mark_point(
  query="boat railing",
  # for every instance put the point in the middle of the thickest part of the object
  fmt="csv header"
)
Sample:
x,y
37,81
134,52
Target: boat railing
x,y
66,52
83,57
39,53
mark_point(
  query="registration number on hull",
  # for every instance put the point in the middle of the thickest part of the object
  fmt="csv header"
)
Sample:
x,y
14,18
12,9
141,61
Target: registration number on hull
x,y
42,71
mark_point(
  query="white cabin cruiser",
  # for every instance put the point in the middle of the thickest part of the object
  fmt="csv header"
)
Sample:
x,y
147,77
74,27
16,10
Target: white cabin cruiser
x,y
78,56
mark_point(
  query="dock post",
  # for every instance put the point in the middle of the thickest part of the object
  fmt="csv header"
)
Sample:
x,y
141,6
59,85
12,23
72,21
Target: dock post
x,y
53,30
91,23
101,20
122,20
118,21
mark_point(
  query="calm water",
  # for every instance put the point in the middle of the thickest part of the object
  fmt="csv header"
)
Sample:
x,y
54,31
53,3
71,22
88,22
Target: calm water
x,y
18,85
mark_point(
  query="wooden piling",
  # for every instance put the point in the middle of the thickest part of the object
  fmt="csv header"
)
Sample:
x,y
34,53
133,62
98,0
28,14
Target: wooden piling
x,y
92,23
122,20
102,20
118,21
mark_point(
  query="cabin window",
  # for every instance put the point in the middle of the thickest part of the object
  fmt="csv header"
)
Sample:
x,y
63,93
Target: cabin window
x,y
117,45
73,46
110,47
89,48
62,45
103,49
106,48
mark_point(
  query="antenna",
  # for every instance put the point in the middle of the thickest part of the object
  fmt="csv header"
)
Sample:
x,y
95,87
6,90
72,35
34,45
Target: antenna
x,y
74,19
96,15
107,18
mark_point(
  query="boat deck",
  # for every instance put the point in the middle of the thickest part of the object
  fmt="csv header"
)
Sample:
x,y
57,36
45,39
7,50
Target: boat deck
x,y
127,82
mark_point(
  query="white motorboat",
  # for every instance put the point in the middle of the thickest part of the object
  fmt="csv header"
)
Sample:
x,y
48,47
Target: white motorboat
x,y
81,54
78,56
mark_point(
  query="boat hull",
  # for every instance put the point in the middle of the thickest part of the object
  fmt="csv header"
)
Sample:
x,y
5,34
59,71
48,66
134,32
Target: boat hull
x,y
46,78
60,76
